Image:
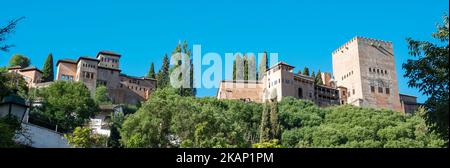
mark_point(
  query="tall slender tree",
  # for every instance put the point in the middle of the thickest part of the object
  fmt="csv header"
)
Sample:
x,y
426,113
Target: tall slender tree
x,y
245,67
306,71
47,70
318,79
263,66
151,71
274,123
264,129
163,78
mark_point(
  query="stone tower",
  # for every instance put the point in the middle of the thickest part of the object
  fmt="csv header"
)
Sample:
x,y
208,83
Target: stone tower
x,y
366,68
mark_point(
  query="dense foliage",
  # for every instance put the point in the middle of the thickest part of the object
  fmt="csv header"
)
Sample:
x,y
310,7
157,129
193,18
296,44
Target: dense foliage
x,y
8,128
19,60
306,125
47,70
67,104
170,120
101,95
430,73
83,137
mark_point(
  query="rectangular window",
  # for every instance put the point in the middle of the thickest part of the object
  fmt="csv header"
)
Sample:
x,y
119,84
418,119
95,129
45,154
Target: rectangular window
x,y
388,91
372,89
353,91
380,90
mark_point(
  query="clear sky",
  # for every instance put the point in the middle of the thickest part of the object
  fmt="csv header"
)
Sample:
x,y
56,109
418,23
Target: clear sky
x,y
304,33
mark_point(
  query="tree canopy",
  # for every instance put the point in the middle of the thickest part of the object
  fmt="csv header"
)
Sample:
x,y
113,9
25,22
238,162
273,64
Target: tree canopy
x,y
430,73
67,104
47,70
19,60
170,120
306,125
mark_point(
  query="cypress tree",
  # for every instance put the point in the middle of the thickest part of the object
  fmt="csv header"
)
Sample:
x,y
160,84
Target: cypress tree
x,y
151,72
263,66
274,124
264,132
245,67
47,70
306,71
319,78
163,74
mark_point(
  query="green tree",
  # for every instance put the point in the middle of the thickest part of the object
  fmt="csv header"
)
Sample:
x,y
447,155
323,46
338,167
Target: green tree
x,y
101,95
306,125
274,123
274,143
313,75
19,60
263,66
245,67
151,72
67,104
265,130
238,65
318,79
12,82
306,71
83,137
114,138
170,120
47,71
8,128
184,48
429,72
4,31
163,78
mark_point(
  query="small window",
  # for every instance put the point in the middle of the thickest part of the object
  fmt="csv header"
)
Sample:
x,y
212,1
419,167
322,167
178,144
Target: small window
x,y
388,91
372,89
378,71
380,90
370,69
353,91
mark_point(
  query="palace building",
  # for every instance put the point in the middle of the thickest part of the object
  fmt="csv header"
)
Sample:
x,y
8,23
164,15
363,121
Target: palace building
x,y
364,75
105,70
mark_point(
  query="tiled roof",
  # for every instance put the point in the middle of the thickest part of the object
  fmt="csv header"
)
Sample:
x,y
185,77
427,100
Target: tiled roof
x,y
88,58
30,69
15,67
67,60
281,63
108,53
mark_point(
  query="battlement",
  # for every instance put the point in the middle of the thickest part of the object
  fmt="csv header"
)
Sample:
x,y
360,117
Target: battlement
x,y
370,41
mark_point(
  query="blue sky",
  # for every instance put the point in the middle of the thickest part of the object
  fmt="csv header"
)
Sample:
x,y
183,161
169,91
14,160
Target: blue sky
x,y
304,33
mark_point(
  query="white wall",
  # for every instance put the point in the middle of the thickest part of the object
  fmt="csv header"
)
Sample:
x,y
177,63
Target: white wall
x,y
39,137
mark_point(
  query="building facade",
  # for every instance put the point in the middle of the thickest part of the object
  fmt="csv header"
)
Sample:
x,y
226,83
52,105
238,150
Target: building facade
x,y
104,70
366,67
31,75
364,75
279,81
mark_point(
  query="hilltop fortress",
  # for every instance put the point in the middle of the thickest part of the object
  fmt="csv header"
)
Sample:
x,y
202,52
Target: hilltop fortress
x,y
364,75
